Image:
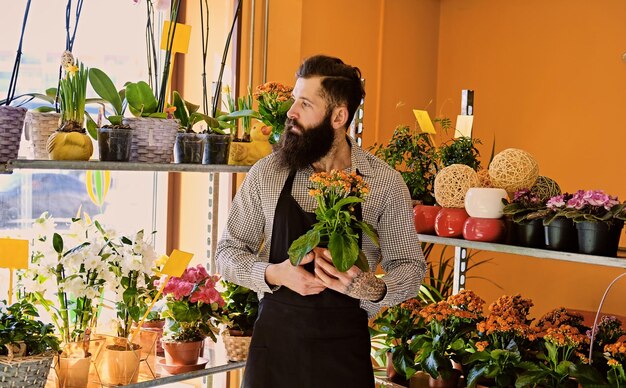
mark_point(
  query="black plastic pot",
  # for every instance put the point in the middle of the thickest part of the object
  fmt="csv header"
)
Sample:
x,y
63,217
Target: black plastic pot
x,y
114,144
216,149
189,148
530,233
599,237
561,235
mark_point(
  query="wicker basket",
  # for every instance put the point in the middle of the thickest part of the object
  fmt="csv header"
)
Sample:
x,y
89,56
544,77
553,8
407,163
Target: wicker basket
x,y
236,347
11,124
153,139
25,372
38,127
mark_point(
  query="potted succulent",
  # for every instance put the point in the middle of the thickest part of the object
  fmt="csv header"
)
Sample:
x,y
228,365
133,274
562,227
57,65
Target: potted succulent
x,y
525,214
191,312
27,346
70,141
238,314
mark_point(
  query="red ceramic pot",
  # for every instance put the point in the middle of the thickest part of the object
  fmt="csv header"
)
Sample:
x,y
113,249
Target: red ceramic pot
x,y
424,218
484,229
449,222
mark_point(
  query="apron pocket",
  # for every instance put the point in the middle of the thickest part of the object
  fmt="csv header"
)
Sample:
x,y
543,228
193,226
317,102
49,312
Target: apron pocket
x,y
255,375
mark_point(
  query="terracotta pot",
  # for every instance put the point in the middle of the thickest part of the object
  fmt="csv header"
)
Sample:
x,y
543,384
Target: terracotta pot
x,y
424,218
484,202
451,381
449,222
73,372
182,353
484,229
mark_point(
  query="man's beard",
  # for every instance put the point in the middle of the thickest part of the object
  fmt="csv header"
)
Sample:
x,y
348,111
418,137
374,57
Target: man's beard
x,y
298,151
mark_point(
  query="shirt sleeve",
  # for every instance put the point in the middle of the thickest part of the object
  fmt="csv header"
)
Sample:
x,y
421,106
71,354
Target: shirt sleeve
x,y
402,259
236,255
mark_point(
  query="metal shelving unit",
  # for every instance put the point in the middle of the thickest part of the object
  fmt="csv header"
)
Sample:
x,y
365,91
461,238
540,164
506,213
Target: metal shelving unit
x,y
461,246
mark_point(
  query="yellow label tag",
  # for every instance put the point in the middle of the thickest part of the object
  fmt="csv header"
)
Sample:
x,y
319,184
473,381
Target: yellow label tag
x,y
181,37
463,126
177,263
423,119
13,253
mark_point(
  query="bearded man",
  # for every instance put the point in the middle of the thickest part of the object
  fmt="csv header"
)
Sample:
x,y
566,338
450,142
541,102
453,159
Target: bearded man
x,y
312,327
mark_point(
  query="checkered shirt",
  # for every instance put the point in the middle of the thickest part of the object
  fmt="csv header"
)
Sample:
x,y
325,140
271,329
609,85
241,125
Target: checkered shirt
x,y
242,256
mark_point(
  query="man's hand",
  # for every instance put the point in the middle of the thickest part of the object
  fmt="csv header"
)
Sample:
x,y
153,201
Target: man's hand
x,y
296,278
353,282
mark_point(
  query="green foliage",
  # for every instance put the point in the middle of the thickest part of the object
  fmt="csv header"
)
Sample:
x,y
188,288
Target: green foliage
x,y
187,322
188,115
241,307
415,157
460,151
73,91
18,324
104,87
141,100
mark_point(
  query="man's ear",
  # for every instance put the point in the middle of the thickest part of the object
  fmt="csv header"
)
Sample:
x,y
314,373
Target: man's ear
x,y
340,117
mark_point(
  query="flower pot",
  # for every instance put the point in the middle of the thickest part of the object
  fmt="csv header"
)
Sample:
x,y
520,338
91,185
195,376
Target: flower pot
x,y
155,326
237,346
182,353
216,149
450,381
561,235
449,222
247,153
31,371
153,139
530,233
484,229
73,372
189,147
115,144
424,218
599,237
38,126
11,124
484,202
69,146
119,365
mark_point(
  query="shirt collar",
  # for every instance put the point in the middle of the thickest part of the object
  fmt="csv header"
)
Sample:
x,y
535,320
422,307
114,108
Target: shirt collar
x,y
358,158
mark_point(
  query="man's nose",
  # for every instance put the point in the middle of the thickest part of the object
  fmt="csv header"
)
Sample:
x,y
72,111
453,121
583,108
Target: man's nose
x,y
291,113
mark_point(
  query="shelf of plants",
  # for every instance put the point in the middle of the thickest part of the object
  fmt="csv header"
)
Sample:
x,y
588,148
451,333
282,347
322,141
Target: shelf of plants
x,y
619,262
117,166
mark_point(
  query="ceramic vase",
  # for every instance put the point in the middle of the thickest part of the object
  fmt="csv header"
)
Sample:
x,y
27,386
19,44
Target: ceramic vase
x,y
484,229
485,202
69,146
424,218
449,222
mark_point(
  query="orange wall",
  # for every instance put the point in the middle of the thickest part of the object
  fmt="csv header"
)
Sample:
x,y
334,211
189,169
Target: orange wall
x,y
548,78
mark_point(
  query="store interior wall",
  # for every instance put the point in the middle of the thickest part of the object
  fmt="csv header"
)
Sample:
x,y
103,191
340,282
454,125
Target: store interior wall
x,y
548,77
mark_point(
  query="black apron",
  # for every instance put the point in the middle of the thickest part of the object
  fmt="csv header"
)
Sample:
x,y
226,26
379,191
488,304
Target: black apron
x,y
306,341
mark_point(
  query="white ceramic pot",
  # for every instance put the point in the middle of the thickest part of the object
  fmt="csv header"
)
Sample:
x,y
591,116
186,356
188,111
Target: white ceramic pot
x,y
484,202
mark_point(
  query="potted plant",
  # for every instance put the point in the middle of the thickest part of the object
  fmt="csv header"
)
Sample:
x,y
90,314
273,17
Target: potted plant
x,y
114,139
70,141
449,325
190,146
132,261
597,219
191,312
27,346
524,215
461,150
238,314
560,231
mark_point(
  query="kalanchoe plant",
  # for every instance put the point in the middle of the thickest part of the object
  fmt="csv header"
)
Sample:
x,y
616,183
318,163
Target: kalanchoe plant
x,y
192,306
21,332
591,205
615,355
274,101
525,206
336,194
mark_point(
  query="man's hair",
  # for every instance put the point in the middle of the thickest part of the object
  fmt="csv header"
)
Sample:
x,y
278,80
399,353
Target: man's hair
x,y
341,83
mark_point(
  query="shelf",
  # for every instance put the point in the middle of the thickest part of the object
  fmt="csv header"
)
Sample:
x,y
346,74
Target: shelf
x,y
117,166
619,262
189,375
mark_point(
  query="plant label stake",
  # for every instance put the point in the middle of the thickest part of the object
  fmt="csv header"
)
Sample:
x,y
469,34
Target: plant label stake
x,y
179,45
425,123
13,255
174,266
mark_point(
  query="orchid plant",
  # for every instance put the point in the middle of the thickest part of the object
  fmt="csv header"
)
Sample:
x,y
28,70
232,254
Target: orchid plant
x,y
192,306
336,193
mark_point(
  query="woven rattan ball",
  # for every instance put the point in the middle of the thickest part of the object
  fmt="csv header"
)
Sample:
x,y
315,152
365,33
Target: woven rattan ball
x,y
451,184
545,188
513,169
484,180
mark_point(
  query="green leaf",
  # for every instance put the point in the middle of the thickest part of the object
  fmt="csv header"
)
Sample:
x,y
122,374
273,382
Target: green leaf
x,y
345,201
92,127
344,250
181,111
57,243
103,86
140,99
115,119
157,115
303,245
51,92
44,109
369,232
191,107
361,262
